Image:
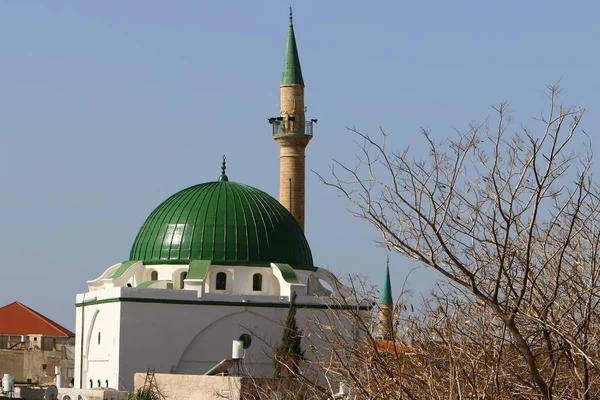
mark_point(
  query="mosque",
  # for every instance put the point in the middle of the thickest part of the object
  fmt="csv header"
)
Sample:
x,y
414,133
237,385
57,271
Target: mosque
x,y
210,263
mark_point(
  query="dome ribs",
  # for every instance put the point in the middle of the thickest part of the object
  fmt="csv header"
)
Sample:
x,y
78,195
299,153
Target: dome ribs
x,y
192,223
206,248
254,227
196,240
263,211
238,240
180,225
221,221
150,229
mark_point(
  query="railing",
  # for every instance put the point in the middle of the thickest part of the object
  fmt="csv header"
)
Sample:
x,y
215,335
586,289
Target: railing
x,y
290,127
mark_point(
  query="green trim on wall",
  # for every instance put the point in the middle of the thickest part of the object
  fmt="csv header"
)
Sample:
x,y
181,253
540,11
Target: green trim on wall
x,y
166,262
220,303
122,269
198,269
288,273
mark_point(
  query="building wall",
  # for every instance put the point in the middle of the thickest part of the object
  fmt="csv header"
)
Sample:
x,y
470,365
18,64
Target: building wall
x,y
239,278
195,387
97,346
191,339
33,341
8,341
33,364
92,394
153,329
39,365
11,362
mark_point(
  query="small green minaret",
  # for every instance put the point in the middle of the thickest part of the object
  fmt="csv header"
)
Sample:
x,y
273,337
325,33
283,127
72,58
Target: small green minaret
x,y
385,327
386,292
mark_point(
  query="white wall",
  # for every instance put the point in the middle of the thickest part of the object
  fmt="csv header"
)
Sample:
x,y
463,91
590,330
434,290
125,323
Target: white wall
x,y
193,338
149,332
99,361
239,280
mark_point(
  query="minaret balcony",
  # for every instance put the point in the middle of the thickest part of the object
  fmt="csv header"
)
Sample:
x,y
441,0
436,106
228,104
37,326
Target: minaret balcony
x,y
291,127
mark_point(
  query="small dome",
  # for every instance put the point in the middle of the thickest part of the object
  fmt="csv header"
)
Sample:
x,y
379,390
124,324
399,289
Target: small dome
x,y
223,222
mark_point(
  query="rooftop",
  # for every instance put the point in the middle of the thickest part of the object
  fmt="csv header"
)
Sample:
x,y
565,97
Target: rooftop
x,y
18,319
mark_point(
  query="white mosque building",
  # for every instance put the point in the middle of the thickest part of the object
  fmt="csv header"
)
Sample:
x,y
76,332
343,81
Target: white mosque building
x,y
210,263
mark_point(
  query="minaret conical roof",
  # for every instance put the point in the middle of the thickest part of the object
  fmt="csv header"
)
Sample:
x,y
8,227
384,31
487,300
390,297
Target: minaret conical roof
x,y
292,73
386,291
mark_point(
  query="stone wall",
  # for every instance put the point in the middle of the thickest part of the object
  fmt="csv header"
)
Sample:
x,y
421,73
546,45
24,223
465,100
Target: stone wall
x,y
36,365
93,394
11,362
292,152
194,387
292,159
291,101
39,365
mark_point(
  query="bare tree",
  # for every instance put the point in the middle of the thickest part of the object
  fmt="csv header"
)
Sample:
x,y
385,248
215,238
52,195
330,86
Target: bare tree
x,y
511,221
448,350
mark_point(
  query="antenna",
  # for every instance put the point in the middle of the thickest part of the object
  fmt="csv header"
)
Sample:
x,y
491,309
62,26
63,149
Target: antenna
x,y
236,350
246,340
221,368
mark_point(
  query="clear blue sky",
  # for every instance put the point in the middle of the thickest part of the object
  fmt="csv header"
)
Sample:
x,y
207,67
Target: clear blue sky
x,y
107,108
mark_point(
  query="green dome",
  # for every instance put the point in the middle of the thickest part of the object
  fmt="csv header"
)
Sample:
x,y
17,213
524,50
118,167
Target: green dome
x,y
223,222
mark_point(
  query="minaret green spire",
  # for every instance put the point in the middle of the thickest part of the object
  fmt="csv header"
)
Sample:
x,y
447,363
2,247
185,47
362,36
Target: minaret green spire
x,y
385,327
386,291
223,177
292,73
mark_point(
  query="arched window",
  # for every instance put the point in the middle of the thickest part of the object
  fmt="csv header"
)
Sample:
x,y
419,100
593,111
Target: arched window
x,y
154,276
182,277
257,282
221,283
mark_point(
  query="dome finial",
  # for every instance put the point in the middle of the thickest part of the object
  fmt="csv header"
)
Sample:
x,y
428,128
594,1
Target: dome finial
x,y
223,177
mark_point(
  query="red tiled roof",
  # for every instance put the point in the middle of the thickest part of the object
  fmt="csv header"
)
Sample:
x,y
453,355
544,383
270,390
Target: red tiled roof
x,y
392,347
18,319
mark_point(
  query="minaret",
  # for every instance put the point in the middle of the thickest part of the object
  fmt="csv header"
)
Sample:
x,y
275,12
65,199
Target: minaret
x,y
292,132
385,328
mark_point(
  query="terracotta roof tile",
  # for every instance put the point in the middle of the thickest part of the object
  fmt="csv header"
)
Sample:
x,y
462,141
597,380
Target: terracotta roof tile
x,y
18,319
389,346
